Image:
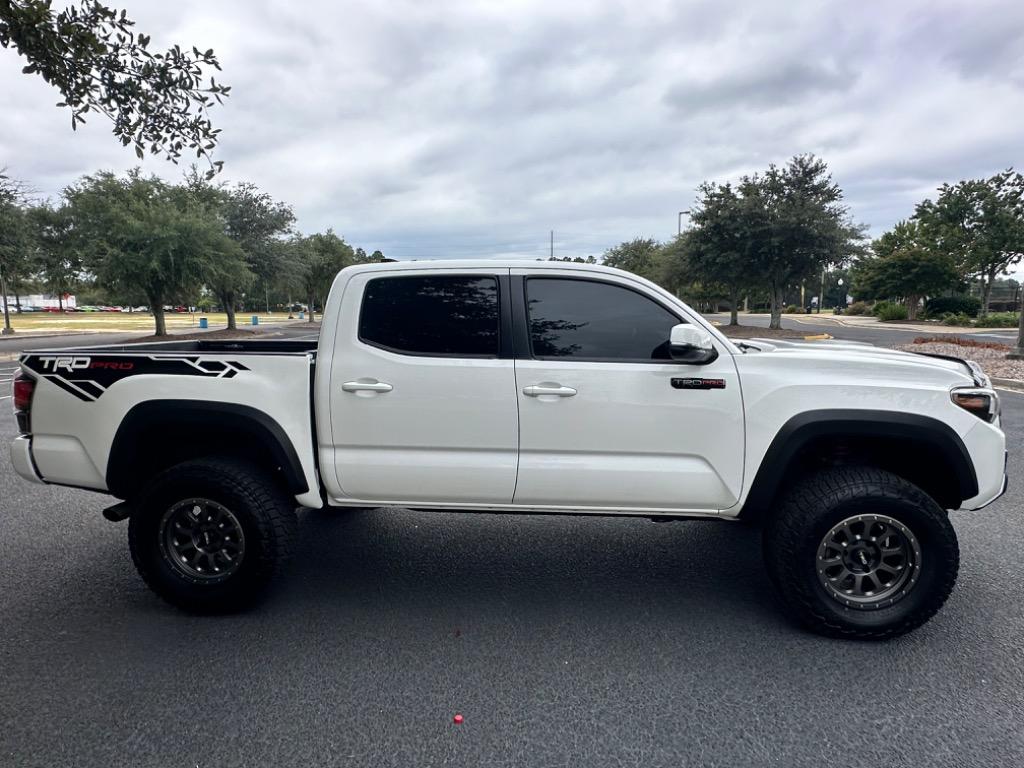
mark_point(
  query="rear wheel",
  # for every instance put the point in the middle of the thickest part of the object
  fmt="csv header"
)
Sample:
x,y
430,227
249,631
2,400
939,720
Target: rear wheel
x,y
860,553
210,535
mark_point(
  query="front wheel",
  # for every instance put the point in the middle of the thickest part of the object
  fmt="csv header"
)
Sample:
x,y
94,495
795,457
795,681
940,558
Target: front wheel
x,y
210,535
861,553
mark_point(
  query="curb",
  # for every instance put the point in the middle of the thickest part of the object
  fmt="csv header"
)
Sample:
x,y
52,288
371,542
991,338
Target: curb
x,y
1014,385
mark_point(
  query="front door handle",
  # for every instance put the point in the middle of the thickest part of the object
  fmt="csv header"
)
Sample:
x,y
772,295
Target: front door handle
x,y
366,385
548,388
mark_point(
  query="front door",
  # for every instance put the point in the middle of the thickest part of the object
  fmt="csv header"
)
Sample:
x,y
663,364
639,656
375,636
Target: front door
x,y
607,418
422,389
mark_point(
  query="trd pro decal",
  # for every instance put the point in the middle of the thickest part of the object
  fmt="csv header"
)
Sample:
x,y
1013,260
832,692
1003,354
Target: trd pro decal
x,y
87,377
698,383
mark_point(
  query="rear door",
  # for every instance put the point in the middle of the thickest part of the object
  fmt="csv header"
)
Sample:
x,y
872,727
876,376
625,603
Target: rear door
x,y
422,389
607,419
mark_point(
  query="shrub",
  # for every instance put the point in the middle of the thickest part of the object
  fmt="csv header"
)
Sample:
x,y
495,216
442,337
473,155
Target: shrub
x,y
880,306
999,320
957,305
892,312
790,310
951,318
857,308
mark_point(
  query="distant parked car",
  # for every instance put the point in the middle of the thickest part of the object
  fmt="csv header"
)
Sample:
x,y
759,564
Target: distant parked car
x,y
51,309
89,308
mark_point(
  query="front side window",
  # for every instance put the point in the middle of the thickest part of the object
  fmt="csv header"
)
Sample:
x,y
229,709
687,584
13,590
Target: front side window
x,y
596,321
442,315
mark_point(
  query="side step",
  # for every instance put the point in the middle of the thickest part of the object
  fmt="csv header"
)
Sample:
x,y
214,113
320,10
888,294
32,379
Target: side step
x,y
118,512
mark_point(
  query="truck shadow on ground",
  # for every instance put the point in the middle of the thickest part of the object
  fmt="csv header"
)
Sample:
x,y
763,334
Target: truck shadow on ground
x,y
697,571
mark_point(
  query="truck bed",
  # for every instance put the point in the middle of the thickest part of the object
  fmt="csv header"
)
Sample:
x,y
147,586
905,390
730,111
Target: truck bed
x,y
85,396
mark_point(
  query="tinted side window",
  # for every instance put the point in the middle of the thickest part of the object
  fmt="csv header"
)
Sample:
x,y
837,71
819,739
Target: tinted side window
x,y
455,315
588,320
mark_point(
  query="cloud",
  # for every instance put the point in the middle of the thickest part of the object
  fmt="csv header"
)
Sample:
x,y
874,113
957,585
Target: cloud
x,y
458,128
791,82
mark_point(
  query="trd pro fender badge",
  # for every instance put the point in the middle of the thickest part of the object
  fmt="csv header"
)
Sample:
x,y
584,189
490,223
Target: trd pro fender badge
x,y
679,383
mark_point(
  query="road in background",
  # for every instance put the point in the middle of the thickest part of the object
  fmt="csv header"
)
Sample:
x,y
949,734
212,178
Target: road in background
x,y
882,334
561,640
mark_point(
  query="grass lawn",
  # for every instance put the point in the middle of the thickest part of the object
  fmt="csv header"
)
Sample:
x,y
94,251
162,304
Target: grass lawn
x,y
125,321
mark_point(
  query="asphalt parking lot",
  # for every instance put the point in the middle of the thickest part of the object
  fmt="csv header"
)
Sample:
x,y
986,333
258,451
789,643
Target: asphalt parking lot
x,y
562,641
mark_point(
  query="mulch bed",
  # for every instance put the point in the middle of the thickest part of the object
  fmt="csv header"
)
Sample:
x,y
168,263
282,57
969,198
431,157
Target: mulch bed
x,y
990,356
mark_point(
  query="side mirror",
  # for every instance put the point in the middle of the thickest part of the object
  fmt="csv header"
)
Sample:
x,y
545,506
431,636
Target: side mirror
x,y
691,345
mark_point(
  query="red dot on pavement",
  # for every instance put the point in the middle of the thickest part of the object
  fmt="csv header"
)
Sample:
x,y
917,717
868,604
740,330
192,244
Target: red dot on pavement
x,y
458,719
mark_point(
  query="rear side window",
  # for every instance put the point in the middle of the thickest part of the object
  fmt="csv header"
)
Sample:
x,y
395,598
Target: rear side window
x,y
440,316
596,321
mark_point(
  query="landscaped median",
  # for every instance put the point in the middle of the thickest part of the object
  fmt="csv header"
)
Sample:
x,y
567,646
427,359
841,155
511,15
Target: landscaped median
x,y
991,356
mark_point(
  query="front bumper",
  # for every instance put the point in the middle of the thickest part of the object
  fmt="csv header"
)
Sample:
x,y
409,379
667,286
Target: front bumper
x,y
21,458
992,489
975,505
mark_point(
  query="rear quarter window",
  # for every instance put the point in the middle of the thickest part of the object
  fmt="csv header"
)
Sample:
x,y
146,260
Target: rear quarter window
x,y
447,316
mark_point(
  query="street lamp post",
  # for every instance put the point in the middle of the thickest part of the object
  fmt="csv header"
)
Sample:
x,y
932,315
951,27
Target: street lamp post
x,y
681,214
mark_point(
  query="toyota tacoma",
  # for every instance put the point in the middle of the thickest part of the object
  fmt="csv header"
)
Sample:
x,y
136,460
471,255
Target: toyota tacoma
x,y
535,387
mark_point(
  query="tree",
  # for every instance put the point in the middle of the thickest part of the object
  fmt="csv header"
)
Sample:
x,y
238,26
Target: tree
x,y
140,233
254,222
980,223
226,273
574,259
639,256
796,225
55,258
716,250
91,54
323,256
377,256
14,240
904,267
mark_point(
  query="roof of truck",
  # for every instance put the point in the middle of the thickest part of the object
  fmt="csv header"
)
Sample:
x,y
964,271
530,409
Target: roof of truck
x,y
508,263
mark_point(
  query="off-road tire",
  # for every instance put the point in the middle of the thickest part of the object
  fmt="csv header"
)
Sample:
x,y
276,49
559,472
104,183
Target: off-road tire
x,y
795,530
262,508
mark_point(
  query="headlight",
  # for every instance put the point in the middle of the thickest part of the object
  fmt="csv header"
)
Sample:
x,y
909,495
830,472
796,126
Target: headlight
x,y
982,402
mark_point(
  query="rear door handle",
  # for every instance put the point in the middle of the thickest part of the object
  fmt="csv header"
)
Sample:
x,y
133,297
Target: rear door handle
x,y
366,385
548,388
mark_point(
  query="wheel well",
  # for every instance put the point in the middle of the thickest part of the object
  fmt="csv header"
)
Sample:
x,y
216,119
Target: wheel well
x,y
156,435
921,450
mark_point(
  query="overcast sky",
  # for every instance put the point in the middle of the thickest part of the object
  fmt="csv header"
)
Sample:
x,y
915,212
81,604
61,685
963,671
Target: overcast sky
x,y
431,129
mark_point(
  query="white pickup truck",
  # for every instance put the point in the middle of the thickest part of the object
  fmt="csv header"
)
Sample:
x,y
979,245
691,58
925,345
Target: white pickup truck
x,y
538,387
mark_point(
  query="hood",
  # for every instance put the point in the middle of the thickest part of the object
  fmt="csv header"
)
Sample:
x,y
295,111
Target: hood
x,y
862,354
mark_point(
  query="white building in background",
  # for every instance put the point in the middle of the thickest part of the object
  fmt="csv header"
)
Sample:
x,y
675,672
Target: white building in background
x,y
42,300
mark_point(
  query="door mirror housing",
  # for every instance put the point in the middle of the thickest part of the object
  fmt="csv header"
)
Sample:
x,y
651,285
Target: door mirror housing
x,y
691,345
